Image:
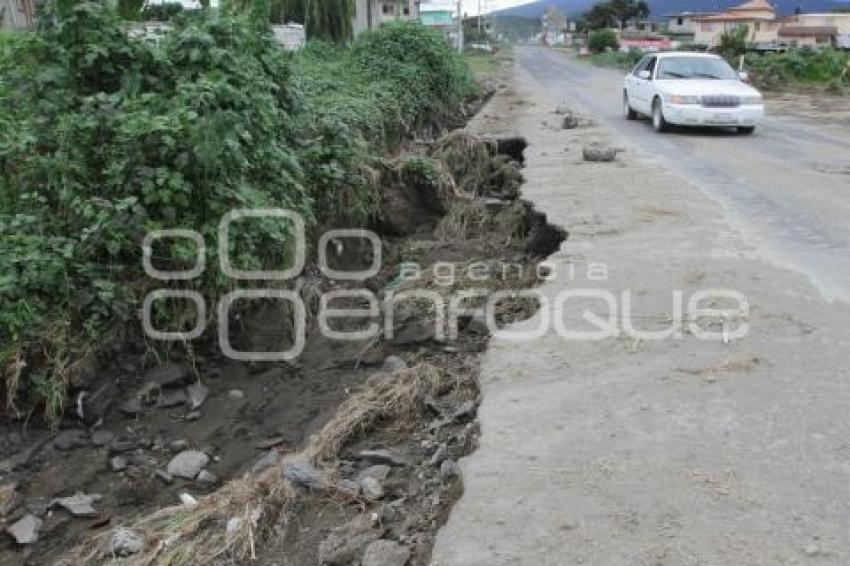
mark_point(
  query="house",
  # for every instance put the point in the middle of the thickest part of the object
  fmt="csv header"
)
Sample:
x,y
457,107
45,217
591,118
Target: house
x,y
758,16
437,15
555,28
816,30
682,26
371,14
17,14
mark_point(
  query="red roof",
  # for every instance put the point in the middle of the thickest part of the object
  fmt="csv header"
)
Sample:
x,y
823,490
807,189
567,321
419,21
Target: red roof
x,y
807,31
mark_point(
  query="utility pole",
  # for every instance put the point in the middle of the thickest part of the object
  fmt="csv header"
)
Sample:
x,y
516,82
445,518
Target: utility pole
x,y
479,18
460,26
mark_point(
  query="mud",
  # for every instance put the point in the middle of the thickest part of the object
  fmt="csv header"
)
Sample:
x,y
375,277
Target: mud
x,y
142,416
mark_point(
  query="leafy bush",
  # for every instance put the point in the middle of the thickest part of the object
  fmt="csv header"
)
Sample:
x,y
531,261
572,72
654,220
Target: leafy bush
x,y
602,40
618,59
105,137
733,43
799,66
110,137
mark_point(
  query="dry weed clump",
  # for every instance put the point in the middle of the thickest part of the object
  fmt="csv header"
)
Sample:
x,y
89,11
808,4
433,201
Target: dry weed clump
x,y
386,397
226,525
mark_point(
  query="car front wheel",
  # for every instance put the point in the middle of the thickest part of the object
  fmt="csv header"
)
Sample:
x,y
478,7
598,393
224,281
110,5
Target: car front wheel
x,y
659,124
627,108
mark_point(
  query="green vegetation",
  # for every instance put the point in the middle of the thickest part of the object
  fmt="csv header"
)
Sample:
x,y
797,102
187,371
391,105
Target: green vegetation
x,y
733,43
829,67
602,40
617,59
105,137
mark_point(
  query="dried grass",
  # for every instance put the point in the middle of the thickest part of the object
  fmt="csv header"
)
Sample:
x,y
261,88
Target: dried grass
x,y
386,397
196,534
470,219
467,159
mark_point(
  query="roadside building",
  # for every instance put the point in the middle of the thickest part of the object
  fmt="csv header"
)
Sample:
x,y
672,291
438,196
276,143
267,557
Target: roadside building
x,y
440,16
682,26
816,30
17,14
555,28
758,16
372,14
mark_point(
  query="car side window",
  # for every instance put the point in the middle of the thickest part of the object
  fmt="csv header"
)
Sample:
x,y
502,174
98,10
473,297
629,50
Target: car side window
x,y
640,66
651,66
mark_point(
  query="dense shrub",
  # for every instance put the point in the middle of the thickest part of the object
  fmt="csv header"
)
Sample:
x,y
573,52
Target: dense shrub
x,y
618,59
602,40
105,137
772,70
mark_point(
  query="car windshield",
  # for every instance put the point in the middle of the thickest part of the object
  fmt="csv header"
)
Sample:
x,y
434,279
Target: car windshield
x,y
696,68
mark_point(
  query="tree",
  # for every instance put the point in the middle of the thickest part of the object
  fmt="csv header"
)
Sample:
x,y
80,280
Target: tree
x,y
322,19
733,43
616,12
600,16
602,40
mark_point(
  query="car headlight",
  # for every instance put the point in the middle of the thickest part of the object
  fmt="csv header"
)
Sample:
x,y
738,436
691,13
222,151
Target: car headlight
x,y
682,99
752,100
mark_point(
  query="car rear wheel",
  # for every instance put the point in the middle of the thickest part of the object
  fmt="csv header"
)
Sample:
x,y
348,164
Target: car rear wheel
x,y
658,121
746,130
627,108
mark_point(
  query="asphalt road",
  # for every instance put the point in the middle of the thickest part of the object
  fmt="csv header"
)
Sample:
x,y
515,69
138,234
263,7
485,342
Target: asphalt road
x,y
786,188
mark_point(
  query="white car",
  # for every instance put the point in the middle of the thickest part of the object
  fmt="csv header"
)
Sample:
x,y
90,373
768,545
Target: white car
x,y
691,89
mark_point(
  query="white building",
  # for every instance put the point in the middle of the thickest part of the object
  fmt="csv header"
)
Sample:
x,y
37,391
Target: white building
x,y
371,14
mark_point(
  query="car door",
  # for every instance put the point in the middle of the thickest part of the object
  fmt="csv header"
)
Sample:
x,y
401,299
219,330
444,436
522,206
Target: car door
x,y
632,83
645,87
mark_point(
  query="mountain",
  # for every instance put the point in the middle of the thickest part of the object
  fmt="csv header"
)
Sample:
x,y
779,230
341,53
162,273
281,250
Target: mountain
x,y
660,7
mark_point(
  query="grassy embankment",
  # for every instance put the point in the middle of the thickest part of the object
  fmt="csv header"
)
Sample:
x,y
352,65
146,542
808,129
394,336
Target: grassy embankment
x,y
105,138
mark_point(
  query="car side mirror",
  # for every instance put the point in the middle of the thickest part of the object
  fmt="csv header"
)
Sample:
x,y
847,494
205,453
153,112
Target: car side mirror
x,y
645,75
744,76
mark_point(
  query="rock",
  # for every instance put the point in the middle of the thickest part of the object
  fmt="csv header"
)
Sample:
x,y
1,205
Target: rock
x,y
386,553
91,407
206,478
25,530
372,488
394,363
414,332
118,463
169,375
439,455
811,550
198,393
465,411
599,152
383,457
349,487
131,407
449,469
235,395
303,474
172,398
178,445
70,439
266,461
164,476
123,542
571,121
344,546
379,472
270,442
188,464
101,437
192,416
78,505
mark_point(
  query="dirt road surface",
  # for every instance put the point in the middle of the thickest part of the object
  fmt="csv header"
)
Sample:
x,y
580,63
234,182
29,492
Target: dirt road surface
x,y
675,451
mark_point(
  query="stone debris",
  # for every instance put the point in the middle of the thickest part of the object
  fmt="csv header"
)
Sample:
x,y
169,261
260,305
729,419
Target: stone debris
x,y
379,472
169,398
372,488
439,455
206,478
25,530
101,437
386,553
70,439
383,457
235,395
303,474
78,505
118,463
188,464
394,363
169,375
124,542
448,470
344,546
600,152
198,393
571,121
